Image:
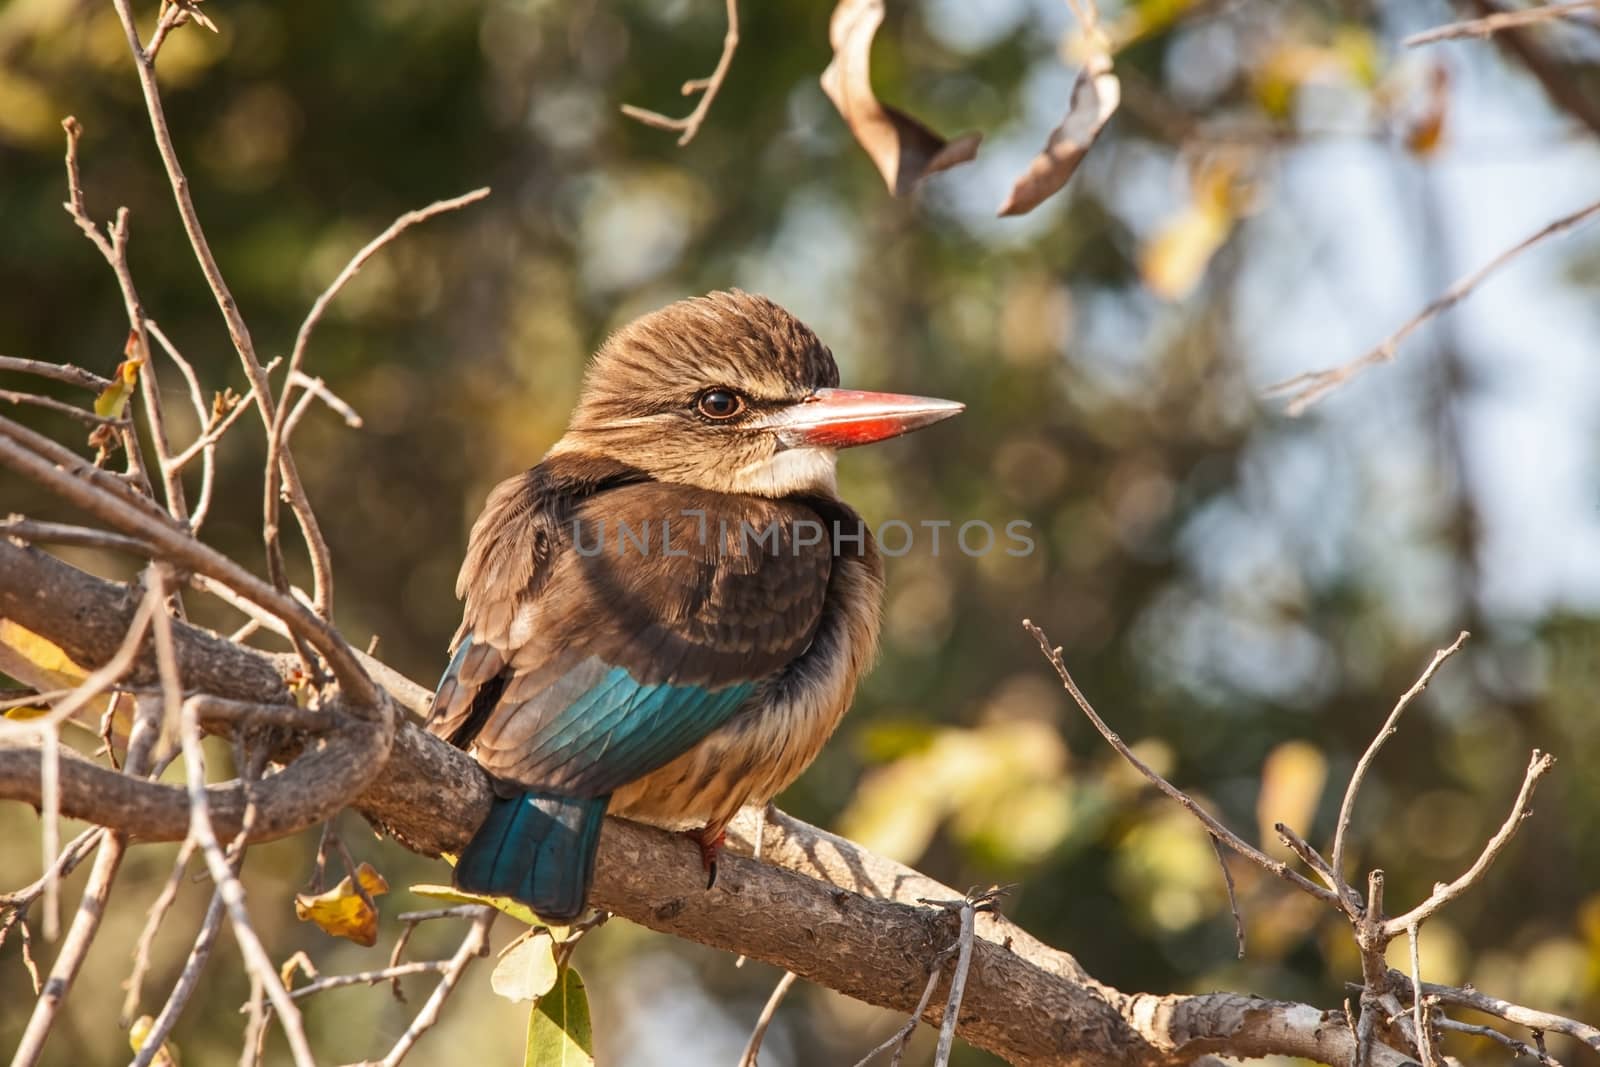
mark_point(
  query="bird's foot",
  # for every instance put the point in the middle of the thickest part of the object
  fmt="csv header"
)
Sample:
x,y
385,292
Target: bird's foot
x,y
710,840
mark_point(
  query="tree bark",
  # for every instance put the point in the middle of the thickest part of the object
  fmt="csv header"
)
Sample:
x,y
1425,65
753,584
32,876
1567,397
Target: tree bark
x,y
815,903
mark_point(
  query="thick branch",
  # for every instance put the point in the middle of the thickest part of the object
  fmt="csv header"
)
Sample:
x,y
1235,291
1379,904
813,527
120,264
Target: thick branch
x,y
815,903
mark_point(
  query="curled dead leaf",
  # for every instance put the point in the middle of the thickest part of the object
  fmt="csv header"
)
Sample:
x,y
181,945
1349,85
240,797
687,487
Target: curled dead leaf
x,y
1425,133
1095,96
342,911
903,149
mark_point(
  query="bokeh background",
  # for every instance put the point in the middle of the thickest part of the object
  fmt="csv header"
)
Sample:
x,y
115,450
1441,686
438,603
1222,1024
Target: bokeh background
x,y
1241,593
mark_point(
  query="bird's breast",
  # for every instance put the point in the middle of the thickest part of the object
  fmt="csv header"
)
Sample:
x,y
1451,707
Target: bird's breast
x,y
776,736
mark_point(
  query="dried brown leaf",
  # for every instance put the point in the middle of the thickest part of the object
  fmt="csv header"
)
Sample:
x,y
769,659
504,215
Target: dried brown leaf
x,y
903,149
1095,96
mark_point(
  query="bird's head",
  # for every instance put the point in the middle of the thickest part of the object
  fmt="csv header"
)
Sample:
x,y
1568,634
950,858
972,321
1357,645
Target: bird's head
x,y
730,392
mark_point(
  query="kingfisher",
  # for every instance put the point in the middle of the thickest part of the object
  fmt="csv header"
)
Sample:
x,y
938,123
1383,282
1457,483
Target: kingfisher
x,y
668,615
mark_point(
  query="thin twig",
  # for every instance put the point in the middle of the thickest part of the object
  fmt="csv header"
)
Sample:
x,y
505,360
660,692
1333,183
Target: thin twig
x,y
902,1037
158,913
474,945
1419,1006
86,417
1538,764
1519,1048
1313,859
113,247
1503,1009
104,496
57,533
1306,389
1358,776
228,888
384,974
238,331
1233,899
1504,20
278,436
205,419
59,372
1209,821
74,947
708,88
752,1048
188,982
958,986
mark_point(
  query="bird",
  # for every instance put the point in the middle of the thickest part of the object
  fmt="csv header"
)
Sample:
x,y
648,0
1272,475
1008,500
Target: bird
x,y
667,616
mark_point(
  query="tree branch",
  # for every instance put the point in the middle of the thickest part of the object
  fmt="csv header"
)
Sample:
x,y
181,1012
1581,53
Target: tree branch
x,y
816,904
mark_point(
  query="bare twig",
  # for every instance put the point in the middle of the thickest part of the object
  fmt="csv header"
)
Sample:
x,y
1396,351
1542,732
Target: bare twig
x,y
398,970
278,437
1233,899
113,247
1306,389
1519,1048
1515,1013
902,1037
59,372
1538,764
206,418
188,981
74,947
1358,776
73,479
958,985
144,66
474,945
316,387
1313,859
56,533
51,404
19,900
228,888
1218,831
1503,20
1419,1006
752,1048
708,88
158,913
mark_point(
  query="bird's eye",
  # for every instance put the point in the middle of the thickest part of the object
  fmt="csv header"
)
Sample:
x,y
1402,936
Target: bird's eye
x,y
720,404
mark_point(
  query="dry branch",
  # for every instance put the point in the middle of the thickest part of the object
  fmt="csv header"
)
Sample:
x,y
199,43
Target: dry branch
x,y
818,905
1500,21
1306,389
707,87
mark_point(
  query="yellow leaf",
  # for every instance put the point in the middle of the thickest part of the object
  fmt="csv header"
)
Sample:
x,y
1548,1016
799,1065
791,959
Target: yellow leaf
x,y
113,399
1357,50
341,911
1291,785
520,912
166,1056
528,969
40,651
1175,259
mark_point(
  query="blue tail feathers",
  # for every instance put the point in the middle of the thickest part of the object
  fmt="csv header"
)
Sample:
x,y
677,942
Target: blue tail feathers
x,y
537,848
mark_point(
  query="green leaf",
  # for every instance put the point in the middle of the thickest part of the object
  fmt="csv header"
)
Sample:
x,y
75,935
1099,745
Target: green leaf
x,y
520,912
528,970
559,1034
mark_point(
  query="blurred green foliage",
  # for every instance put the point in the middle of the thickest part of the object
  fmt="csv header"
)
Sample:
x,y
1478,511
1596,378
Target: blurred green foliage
x,y
1242,594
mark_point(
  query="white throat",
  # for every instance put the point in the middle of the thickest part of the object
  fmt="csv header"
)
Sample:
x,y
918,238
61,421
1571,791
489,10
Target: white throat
x,y
792,470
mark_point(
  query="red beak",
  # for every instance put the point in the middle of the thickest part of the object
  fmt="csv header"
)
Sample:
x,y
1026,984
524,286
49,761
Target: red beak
x,y
844,418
